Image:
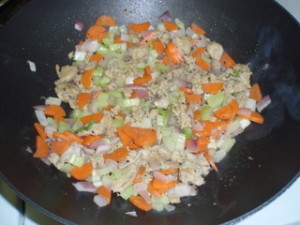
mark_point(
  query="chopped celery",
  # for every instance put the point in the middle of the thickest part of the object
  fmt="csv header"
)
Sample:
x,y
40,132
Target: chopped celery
x,y
76,113
141,65
188,133
102,100
114,47
53,158
159,202
206,112
131,102
250,104
107,41
161,67
117,122
101,81
102,50
65,167
116,174
114,30
128,192
169,141
215,100
76,125
63,126
161,27
123,29
76,160
180,142
98,71
51,122
235,73
227,144
165,115
86,127
146,122
179,23
103,171
116,94
160,120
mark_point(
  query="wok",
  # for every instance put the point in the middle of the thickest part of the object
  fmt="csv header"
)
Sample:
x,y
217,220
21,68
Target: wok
x,y
256,32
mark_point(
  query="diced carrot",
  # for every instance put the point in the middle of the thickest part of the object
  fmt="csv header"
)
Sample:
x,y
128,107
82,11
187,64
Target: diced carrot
x,y
140,203
96,116
106,21
173,53
82,172
122,115
198,51
254,116
96,57
139,27
59,147
105,193
40,130
197,115
118,155
86,79
158,187
109,107
212,88
224,113
146,137
166,60
72,137
202,63
54,110
255,92
95,32
82,99
118,40
197,29
170,26
42,147
202,143
125,139
227,61
169,171
145,78
191,97
158,46
211,162
139,176
87,140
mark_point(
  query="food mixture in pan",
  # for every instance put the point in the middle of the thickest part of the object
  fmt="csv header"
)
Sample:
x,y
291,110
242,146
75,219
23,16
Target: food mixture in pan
x,y
153,111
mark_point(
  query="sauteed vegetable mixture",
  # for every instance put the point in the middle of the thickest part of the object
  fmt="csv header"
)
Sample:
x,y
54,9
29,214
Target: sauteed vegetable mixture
x,y
153,110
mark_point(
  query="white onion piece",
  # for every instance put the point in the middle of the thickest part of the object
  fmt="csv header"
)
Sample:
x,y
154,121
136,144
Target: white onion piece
x,y
162,177
53,101
244,123
155,165
250,104
177,33
237,131
141,189
125,37
85,186
46,161
111,163
87,46
100,201
32,66
201,43
79,55
189,32
39,107
169,207
182,190
78,26
89,151
28,149
49,130
263,103
197,125
41,117
244,111
131,213
219,155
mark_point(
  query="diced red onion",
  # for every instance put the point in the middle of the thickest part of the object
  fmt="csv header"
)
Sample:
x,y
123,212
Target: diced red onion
x,y
142,94
81,68
180,82
111,163
155,165
245,111
165,16
183,190
161,56
146,33
85,186
169,207
89,151
162,177
136,87
100,201
263,103
125,37
177,33
192,146
78,26
87,46
141,189
197,125
131,213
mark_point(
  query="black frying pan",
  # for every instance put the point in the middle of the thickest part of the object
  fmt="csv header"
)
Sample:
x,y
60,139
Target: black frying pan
x,y
252,31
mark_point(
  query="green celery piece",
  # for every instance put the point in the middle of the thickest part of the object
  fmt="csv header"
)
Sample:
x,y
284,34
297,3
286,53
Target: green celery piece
x,y
141,65
235,73
101,81
98,72
103,50
128,192
117,122
76,160
76,113
161,67
216,100
205,112
107,41
86,127
188,133
63,126
102,100
115,174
